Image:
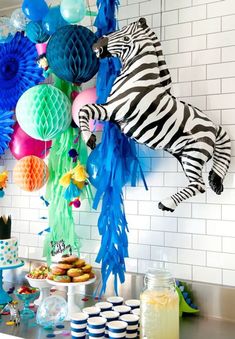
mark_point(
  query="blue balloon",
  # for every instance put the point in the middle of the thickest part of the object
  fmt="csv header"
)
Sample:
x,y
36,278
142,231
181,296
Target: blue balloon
x,y
2,193
18,70
36,33
73,11
53,20
35,10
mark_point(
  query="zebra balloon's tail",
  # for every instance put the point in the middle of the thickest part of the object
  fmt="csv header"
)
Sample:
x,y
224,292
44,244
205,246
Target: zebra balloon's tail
x,y
221,160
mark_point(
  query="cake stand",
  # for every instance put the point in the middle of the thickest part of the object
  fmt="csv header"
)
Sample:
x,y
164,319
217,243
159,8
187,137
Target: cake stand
x,y
44,287
72,306
4,296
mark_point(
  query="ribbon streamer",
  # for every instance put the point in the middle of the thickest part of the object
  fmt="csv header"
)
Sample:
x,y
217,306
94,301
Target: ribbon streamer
x,y
116,163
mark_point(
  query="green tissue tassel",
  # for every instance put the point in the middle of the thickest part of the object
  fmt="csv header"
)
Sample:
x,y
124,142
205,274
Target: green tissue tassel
x,y
61,220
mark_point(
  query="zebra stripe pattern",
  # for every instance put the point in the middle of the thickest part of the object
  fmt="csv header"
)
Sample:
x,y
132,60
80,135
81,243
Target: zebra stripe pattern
x,y
141,105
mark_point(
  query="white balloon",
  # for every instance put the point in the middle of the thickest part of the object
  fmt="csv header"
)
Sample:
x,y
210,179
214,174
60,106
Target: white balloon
x,y
19,20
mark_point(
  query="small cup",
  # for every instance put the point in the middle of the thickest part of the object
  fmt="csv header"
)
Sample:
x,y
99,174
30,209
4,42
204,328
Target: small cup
x,y
132,321
109,316
96,327
80,335
116,301
104,306
133,303
91,311
117,329
79,320
122,309
136,311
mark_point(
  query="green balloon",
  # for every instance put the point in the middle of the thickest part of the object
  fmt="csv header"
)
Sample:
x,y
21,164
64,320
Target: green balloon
x,y
43,112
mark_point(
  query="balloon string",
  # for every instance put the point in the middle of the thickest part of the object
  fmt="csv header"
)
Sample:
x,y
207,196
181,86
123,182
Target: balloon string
x,y
91,13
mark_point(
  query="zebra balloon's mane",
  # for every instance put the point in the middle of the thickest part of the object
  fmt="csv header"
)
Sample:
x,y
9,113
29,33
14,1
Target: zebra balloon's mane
x,y
140,103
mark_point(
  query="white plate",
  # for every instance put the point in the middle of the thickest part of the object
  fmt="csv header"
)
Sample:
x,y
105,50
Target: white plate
x,y
40,283
56,283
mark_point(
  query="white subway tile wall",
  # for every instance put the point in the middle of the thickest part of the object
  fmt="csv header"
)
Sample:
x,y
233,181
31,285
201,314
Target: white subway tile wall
x,y
197,241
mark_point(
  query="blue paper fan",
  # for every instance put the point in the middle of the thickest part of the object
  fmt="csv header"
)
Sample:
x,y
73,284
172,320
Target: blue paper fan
x,y
6,122
18,70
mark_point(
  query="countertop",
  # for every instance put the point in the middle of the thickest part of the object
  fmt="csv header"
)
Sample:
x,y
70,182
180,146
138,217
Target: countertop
x,y
191,327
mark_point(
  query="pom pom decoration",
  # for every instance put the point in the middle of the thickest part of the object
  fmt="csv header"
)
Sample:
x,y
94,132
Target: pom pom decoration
x,y
73,11
18,19
22,145
35,10
30,173
6,30
6,130
53,20
3,182
43,112
87,96
36,33
17,60
70,55
74,181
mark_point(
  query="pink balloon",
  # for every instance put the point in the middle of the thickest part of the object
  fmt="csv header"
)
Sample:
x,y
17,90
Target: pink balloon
x,y
22,145
88,96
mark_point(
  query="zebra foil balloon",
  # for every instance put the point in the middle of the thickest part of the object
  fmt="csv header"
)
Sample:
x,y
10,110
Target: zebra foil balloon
x,y
140,103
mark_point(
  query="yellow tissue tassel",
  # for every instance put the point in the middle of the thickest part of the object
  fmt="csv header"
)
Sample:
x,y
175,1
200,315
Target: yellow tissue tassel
x,y
3,179
79,173
65,179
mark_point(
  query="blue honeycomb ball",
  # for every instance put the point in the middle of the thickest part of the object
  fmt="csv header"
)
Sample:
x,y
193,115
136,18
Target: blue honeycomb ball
x,y
36,33
70,55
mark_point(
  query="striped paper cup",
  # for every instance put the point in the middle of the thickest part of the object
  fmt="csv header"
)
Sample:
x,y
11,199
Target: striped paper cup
x,y
136,311
122,309
91,311
133,303
81,335
104,306
132,321
116,301
96,327
117,329
109,316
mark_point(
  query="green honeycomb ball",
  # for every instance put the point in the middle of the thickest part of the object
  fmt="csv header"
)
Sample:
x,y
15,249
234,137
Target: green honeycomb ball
x,y
43,112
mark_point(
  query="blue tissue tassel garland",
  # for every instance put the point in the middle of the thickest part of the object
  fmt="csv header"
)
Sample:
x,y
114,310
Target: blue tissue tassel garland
x,y
115,162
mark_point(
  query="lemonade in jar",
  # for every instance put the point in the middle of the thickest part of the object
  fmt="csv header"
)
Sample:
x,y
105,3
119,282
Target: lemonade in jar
x,y
159,308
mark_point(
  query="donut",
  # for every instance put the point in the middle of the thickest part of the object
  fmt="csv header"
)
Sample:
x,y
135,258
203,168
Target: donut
x,y
55,270
64,266
79,263
82,278
92,275
68,259
50,276
74,272
62,278
87,268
